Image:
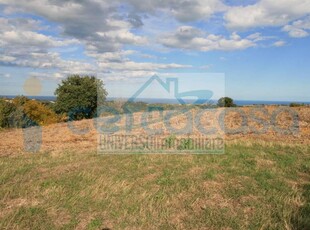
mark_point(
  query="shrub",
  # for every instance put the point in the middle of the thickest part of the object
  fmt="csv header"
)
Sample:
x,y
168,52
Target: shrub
x,y
293,104
22,113
78,96
226,102
40,113
7,110
20,101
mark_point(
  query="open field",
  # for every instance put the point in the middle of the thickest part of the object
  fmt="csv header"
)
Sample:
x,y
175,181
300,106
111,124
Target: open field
x,y
261,182
59,137
252,186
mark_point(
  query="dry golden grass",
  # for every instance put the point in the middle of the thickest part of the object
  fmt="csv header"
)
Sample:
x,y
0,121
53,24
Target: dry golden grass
x,y
249,187
261,182
59,137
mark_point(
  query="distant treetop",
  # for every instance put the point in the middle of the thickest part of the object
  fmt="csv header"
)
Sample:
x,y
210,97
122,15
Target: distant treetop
x,y
226,102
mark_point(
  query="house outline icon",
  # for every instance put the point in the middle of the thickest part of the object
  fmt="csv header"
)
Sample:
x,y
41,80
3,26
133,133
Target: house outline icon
x,y
203,96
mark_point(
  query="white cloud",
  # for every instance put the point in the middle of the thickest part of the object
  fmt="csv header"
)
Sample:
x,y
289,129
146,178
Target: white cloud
x,y
23,24
279,43
256,37
123,37
191,38
184,10
117,65
295,32
118,56
125,75
266,13
47,75
29,38
138,66
102,27
48,61
187,11
7,59
299,28
35,50
21,46
105,29
96,24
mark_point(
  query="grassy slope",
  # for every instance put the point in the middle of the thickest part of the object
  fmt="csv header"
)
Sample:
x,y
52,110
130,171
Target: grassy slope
x,y
250,187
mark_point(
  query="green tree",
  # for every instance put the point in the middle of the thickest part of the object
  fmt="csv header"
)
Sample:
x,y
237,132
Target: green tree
x,y
293,104
79,96
6,109
226,102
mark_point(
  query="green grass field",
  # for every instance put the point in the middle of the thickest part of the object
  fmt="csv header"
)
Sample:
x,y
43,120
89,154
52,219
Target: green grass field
x,y
252,186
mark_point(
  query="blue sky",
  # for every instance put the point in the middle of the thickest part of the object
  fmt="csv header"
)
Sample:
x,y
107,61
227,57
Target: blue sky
x,y
262,47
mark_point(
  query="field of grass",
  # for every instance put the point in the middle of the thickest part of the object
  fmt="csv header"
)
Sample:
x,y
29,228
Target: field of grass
x,y
251,186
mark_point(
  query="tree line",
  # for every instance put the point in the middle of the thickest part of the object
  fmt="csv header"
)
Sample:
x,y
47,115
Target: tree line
x,y
77,97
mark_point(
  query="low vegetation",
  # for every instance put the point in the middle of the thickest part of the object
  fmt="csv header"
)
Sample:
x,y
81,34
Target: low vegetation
x,y
294,104
251,186
22,112
226,102
68,185
78,97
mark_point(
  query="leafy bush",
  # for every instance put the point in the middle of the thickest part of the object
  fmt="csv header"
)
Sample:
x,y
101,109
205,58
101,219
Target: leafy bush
x,y
6,109
40,113
226,102
11,114
20,101
22,113
296,104
79,96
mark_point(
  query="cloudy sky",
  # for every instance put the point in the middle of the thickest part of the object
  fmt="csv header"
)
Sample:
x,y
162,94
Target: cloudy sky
x,y
262,46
